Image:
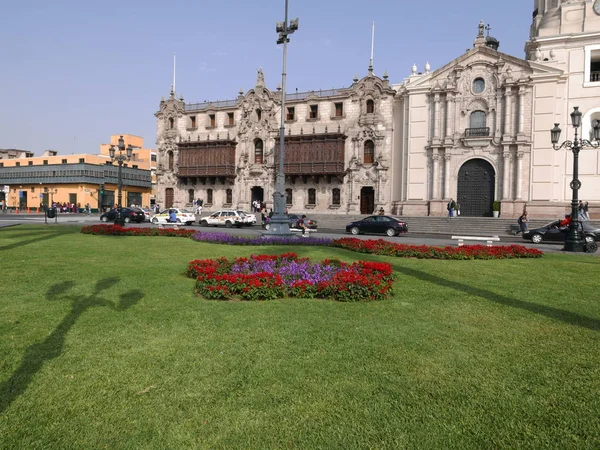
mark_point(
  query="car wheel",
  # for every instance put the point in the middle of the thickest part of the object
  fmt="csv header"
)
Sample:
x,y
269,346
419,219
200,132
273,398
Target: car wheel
x,y
267,226
189,223
104,219
390,232
203,223
590,239
178,220
228,224
127,220
155,221
354,230
536,238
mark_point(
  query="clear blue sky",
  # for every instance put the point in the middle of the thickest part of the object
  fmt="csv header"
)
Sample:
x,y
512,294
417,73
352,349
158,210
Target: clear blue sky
x,y
74,72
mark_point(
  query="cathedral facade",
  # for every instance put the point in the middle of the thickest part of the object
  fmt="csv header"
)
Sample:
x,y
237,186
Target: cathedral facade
x,y
476,130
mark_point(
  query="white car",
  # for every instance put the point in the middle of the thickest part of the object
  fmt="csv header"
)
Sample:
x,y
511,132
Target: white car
x,y
250,217
226,217
182,215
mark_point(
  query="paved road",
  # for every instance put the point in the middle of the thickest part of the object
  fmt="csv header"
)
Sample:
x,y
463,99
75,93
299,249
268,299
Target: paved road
x,y
411,238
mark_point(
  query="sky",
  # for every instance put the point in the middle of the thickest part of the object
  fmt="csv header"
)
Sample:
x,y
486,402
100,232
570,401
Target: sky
x,y
73,72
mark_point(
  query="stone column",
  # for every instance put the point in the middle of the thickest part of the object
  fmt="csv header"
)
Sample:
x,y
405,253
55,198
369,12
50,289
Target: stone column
x,y
449,115
435,159
436,116
521,109
498,129
507,112
518,194
446,176
506,175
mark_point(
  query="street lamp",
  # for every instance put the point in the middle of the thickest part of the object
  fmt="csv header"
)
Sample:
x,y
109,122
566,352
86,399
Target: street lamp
x,y
119,220
573,243
279,223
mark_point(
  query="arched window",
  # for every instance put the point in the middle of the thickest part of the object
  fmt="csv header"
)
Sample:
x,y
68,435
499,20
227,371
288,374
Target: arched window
x,y
171,123
190,196
312,196
259,114
258,151
477,119
370,106
288,196
335,196
369,153
209,196
170,160
229,196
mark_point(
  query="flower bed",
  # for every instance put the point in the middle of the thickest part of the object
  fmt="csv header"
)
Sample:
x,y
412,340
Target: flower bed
x,y
117,230
265,277
381,247
224,238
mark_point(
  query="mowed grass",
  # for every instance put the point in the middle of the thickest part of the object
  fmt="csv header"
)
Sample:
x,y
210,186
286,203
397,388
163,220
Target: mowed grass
x,y
103,344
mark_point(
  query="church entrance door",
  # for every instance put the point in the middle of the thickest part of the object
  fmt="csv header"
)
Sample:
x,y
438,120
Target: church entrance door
x,y
367,200
476,182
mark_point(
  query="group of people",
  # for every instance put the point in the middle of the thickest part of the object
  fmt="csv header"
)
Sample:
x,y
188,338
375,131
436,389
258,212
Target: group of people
x,y
583,211
453,208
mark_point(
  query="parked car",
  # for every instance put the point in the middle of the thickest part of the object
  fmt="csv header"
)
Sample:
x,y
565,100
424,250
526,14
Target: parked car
x,y
378,224
128,214
182,216
250,217
551,233
146,212
224,217
293,219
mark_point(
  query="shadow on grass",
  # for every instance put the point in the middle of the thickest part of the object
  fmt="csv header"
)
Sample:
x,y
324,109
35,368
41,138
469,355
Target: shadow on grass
x,y
548,311
35,236
51,347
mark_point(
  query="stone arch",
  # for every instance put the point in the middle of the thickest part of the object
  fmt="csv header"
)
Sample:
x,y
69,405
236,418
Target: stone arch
x,y
587,121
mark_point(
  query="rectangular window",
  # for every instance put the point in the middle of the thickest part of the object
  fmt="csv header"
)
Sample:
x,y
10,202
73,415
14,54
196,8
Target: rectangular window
x,y
193,121
81,160
30,163
290,113
312,196
595,66
17,164
64,161
314,112
212,120
153,158
45,162
134,166
230,120
339,109
1,164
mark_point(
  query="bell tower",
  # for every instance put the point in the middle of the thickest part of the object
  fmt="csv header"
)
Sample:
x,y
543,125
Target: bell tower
x,y
565,31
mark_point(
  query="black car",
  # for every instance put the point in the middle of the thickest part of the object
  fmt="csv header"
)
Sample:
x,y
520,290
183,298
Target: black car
x,y
128,214
378,224
551,232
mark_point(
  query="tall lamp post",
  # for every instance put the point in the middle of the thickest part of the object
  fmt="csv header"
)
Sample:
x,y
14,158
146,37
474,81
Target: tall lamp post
x,y
573,242
279,223
119,220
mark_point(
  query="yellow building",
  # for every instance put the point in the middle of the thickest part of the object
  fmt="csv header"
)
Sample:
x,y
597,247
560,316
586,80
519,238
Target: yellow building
x,y
27,182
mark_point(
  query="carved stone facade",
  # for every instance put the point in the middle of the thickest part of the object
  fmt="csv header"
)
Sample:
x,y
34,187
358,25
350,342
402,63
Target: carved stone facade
x,y
337,155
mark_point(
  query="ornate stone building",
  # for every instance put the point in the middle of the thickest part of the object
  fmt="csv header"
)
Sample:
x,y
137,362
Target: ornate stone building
x,y
476,130
337,148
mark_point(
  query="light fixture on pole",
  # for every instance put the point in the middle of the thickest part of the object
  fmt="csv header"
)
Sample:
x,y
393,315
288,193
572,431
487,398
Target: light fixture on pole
x,y
279,223
120,158
573,242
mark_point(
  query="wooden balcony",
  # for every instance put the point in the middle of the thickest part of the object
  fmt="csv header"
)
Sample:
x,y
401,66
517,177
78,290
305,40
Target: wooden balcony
x,y
313,154
207,159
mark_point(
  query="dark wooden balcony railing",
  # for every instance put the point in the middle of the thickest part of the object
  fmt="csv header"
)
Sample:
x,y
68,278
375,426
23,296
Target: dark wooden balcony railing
x,y
216,170
316,167
477,132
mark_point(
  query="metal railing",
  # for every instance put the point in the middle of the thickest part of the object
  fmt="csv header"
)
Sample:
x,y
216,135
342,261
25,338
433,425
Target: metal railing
x,y
595,76
477,132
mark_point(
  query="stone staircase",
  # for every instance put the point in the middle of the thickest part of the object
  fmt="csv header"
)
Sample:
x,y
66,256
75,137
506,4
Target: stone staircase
x,y
470,226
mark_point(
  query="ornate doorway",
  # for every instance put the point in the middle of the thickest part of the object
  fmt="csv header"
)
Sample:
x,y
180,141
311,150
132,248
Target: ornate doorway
x,y
169,197
367,200
476,182
257,193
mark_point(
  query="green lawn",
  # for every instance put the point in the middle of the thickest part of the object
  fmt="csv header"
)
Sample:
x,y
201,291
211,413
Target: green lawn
x,y
104,345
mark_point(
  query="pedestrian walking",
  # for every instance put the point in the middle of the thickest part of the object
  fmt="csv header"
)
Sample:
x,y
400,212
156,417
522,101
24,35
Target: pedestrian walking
x,y
523,223
451,207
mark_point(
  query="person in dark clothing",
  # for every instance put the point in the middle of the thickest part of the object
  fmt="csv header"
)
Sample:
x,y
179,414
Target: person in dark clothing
x,y
303,226
522,223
